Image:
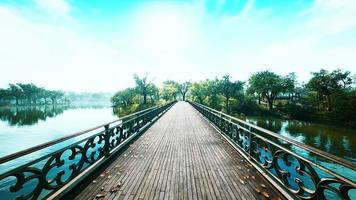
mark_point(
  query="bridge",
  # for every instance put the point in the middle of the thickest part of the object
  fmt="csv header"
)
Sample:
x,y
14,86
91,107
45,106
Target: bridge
x,y
175,151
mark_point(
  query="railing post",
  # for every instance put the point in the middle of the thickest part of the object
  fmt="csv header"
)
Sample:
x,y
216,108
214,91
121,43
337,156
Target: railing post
x,y
107,140
249,142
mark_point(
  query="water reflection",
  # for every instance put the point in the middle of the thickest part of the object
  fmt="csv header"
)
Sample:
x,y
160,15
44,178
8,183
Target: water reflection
x,y
336,140
22,116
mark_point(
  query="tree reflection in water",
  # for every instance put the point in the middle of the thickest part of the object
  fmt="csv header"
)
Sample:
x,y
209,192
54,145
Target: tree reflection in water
x,y
30,115
333,139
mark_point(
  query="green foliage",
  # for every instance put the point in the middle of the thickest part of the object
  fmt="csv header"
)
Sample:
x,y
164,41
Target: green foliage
x,y
144,95
269,85
169,91
29,94
183,89
199,91
344,108
230,89
326,84
289,98
144,87
124,97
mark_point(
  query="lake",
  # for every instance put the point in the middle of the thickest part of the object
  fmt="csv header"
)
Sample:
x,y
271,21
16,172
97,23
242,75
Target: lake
x,y
336,140
24,127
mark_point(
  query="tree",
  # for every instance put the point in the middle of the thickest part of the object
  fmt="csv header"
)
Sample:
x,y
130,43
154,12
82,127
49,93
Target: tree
x,y
183,89
289,83
213,89
169,90
153,93
230,89
15,92
124,97
266,84
143,86
326,84
198,91
55,95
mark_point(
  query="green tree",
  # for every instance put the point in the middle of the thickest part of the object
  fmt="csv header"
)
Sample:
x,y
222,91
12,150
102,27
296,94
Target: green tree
x,y
230,89
124,97
266,84
30,91
326,84
143,86
213,89
289,84
153,93
15,92
198,91
169,90
54,95
183,89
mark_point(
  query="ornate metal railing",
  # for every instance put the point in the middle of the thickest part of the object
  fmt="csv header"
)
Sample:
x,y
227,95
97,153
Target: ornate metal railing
x,y
55,173
276,158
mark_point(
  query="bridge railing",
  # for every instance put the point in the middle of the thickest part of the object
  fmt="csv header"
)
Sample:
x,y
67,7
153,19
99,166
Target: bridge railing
x,y
283,161
69,159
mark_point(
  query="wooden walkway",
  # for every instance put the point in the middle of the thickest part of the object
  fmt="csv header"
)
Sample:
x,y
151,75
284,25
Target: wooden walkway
x,y
180,157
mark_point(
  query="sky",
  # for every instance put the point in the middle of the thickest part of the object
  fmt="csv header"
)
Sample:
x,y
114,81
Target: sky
x,y
97,46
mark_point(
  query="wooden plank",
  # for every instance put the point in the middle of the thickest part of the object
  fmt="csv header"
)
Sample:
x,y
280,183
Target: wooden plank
x,y
180,157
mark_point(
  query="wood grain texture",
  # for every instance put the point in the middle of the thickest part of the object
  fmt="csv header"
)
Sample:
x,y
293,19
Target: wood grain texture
x,y
180,157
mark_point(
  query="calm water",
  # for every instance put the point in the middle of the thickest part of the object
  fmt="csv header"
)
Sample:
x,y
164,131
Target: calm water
x,y
333,139
24,127
21,128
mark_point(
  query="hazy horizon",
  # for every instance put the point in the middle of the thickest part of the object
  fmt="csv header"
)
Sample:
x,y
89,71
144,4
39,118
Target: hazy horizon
x,y
97,46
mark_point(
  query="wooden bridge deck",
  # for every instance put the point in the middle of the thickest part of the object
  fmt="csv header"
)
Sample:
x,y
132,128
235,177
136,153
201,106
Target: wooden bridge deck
x,y
180,157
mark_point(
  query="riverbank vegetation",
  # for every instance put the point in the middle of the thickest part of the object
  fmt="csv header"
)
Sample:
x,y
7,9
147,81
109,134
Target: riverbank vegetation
x,y
327,97
28,94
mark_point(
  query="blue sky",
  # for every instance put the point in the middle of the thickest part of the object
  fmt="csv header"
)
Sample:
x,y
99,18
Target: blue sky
x,y
96,45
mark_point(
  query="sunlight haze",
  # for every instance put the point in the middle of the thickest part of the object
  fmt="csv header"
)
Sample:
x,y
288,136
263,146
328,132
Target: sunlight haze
x,y
97,46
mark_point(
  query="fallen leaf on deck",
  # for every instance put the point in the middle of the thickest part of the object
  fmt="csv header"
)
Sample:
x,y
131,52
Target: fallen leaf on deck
x,y
114,189
265,194
242,182
119,184
258,190
99,196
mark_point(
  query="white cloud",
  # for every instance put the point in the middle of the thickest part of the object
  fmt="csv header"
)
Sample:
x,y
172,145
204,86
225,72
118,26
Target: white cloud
x,y
55,6
245,13
169,41
57,57
332,16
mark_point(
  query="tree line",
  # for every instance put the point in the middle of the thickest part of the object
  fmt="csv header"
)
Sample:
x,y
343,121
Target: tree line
x,y
29,94
327,96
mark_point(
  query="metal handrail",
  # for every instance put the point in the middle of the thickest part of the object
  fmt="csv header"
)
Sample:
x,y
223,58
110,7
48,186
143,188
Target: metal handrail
x,y
62,139
85,155
311,149
272,159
